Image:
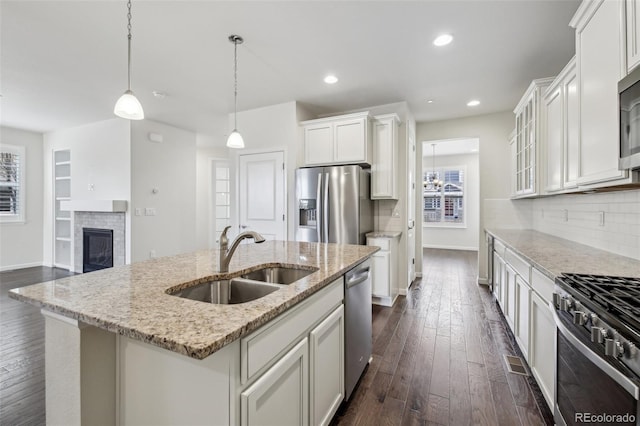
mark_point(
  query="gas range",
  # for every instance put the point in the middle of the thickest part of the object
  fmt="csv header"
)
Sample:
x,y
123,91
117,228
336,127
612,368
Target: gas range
x,y
606,310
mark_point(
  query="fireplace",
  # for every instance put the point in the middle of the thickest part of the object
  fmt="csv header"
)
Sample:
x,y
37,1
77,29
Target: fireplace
x,y
97,249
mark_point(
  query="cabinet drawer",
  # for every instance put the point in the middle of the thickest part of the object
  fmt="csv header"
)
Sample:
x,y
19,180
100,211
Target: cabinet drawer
x,y
498,247
383,243
518,264
541,284
262,347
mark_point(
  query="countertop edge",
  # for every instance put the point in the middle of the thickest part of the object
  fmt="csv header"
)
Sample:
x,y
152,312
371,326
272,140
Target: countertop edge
x,y
194,351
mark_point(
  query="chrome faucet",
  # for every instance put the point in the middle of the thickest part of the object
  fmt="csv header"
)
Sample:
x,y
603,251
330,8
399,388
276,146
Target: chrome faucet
x,y
226,252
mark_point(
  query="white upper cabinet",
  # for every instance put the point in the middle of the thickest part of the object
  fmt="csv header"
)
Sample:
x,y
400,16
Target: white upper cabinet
x,y
562,136
530,123
601,63
385,157
633,33
343,139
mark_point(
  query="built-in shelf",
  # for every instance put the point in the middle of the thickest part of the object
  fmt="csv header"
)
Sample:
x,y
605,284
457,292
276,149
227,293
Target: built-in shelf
x,y
62,221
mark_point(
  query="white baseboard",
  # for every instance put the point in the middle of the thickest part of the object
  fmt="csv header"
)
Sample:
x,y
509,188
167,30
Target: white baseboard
x,y
450,247
20,266
483,281
402,292
418,274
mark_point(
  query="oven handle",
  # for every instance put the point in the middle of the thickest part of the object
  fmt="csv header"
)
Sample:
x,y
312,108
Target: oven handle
x,y
609,370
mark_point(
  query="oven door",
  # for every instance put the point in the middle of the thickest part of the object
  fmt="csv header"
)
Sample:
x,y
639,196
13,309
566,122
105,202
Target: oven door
x,y
588,388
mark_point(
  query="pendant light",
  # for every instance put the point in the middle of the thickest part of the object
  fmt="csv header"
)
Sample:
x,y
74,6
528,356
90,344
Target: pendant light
x,y
128,105
235,138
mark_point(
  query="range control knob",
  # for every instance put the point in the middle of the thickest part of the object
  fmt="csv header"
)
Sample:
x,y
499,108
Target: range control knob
x,y
566,303
579,318
613,348
598,334
630,349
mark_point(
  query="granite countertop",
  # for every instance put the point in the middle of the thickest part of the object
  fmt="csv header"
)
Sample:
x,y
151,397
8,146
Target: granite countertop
x,y
552,255
383,234
131,300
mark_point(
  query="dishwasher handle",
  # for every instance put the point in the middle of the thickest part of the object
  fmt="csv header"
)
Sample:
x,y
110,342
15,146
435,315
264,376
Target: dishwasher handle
x,y
357,277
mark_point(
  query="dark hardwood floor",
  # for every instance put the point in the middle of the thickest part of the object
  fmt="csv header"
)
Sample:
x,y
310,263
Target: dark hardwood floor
x,y
438,357
22,400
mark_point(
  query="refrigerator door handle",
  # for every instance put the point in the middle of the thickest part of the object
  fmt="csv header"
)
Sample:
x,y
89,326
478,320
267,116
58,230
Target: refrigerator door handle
x,y
325,208
319,216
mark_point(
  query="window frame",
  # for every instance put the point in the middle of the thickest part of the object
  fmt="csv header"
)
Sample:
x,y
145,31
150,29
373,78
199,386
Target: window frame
x,y
442,223
21,215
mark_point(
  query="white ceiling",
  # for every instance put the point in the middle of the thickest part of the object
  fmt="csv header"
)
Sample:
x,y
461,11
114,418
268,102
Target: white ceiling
x,y
63,63
450,147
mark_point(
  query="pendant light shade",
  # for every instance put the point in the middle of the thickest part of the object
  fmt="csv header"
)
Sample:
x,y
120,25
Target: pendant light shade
x,y
128,106
235,138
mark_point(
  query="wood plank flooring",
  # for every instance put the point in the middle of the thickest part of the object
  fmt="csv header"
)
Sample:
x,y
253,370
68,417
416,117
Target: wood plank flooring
x,y
438,357
22,400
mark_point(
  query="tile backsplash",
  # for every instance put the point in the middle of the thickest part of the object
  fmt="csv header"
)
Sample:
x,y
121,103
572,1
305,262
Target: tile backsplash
x,y
608,221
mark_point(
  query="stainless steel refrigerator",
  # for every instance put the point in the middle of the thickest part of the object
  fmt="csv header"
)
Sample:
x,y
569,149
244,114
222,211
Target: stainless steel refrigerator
x,y
333,204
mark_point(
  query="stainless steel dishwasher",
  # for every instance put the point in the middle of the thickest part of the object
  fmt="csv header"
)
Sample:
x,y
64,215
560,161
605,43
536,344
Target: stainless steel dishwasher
x,y
358,334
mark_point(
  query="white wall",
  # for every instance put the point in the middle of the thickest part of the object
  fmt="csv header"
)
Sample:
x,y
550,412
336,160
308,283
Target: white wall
x,y
204,192
170,168
493,131
270,128
21,243
101,156
449,237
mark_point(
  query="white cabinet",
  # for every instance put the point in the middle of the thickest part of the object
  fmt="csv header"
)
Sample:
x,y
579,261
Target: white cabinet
x,y
276,374
280,396
542,352
562,130
326,348
385,157
509,308
62,220
530,122
601,63
523,298
384,285
337,140
633,33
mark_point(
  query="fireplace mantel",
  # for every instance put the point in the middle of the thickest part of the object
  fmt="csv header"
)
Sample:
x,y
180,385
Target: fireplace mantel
x,y
108,206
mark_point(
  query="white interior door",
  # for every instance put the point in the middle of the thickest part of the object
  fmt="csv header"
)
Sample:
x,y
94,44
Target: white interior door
x,y
261,187
411,204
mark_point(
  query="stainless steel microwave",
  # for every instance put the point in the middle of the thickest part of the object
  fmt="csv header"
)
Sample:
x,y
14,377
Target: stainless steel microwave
x,y
629,110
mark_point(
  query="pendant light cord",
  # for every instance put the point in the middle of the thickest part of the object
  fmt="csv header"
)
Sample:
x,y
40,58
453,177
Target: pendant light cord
x,y
129,45
235,86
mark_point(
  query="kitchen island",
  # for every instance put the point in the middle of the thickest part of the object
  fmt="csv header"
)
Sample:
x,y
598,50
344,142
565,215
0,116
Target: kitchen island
x,y
121,349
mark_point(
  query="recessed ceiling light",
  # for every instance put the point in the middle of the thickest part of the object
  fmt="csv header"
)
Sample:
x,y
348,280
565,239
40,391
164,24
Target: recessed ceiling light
x,y
430,101
473,103
443,40
331,79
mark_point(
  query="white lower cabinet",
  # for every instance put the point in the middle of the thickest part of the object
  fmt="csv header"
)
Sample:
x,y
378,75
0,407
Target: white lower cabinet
x,y
524,293
326,348
384,277
280,396
523,297
510,296
542,345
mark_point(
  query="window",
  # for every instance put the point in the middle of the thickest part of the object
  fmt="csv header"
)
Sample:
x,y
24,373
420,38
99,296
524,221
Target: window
x,y
222,198
443,195
12,183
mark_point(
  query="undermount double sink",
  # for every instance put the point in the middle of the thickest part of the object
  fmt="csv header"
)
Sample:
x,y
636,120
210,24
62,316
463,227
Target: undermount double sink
x,y
247,287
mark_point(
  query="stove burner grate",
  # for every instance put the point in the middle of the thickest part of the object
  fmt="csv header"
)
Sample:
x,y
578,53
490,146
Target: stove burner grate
x,y
619,296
